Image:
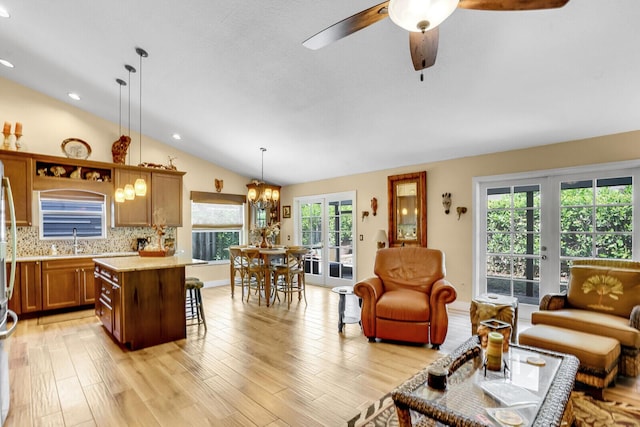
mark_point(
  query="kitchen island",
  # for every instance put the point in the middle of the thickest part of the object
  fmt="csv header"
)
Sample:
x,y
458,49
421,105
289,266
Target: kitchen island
x,y
141,300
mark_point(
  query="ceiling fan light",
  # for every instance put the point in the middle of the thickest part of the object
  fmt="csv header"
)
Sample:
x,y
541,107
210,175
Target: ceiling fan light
x,y
420,15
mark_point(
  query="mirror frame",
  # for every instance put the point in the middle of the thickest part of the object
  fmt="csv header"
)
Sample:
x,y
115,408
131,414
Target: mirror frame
x,y
420,178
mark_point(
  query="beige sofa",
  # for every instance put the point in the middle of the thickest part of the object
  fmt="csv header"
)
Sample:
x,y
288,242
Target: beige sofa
x,y
603,299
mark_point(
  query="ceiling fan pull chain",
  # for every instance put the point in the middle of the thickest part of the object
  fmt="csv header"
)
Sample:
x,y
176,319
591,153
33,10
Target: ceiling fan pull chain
x,y
422,71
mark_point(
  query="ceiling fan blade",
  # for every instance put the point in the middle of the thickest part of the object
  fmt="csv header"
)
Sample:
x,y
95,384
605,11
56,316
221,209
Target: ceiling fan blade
x,y
424,48
511,4
347,26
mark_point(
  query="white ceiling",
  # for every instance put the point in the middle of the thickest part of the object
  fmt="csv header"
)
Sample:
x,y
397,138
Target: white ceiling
x,y
233,76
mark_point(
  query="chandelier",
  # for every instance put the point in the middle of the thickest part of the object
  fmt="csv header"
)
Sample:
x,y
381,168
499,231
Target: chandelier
x,y
260,194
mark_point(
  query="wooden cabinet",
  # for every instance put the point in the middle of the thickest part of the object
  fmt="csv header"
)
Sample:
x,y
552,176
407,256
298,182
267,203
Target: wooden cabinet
x,y
164,195
67,283
29,280
137,212
18,168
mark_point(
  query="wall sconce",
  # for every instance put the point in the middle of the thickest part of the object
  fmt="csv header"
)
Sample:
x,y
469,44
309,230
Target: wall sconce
x,y
381,239
446,202
461,210
374,206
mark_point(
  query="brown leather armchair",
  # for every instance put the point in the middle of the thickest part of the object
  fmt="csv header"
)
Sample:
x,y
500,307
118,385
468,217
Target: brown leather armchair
x,y
406,300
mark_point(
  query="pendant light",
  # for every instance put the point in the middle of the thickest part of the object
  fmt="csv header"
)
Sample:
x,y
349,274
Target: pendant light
x,y
129,191
119,194
140,184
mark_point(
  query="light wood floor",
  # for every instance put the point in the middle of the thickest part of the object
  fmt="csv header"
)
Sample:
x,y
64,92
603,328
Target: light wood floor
x,y
256,366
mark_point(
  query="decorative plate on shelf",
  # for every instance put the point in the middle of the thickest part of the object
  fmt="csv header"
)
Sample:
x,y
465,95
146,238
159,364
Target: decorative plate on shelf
x,y
76,148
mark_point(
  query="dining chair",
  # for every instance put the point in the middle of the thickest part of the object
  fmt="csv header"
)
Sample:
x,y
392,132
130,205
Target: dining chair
x,y
289,277
254,271
237,268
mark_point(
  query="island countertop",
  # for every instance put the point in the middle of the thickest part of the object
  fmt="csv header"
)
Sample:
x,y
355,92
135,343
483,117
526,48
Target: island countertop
x,y
137,263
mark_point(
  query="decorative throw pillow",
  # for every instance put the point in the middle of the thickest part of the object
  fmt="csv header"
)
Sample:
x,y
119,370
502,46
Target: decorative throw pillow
x,y
605,289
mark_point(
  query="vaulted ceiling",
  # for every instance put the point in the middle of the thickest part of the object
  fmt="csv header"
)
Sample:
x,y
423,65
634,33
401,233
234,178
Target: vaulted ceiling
x,y
233,76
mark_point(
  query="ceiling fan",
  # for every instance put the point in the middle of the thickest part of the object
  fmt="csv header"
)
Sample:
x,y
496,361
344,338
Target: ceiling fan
x,y
421,18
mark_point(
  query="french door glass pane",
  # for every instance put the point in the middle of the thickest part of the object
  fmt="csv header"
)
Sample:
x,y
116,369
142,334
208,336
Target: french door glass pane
x,y
596,221
340,218
513,241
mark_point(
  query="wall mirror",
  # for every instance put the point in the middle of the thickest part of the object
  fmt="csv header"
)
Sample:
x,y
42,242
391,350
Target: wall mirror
x,y
408,209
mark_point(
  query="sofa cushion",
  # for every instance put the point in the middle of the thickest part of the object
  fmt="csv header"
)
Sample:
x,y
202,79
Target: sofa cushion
x,y
591,322
403,305
604,289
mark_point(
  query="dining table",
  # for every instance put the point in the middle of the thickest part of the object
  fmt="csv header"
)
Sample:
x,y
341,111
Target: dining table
x,y
268,255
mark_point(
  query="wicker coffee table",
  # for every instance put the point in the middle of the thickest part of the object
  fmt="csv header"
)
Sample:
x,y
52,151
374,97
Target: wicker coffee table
x,y
467,400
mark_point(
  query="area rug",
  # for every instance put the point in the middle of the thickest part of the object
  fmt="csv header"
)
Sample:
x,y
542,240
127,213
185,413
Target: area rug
x,y
588,411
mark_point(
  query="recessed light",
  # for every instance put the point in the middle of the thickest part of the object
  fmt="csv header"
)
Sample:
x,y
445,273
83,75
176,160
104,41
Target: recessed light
x,y
74,96
176,136
4,13
6,63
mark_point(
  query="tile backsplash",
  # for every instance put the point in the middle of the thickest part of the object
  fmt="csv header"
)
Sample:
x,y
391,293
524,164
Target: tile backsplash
x,y
119,239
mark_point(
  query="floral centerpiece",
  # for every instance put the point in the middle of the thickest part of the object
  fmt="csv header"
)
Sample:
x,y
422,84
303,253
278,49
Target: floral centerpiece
x,y
268,234
159,226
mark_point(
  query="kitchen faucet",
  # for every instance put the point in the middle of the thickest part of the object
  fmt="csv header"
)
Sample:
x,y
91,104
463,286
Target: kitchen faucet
x,y
75,241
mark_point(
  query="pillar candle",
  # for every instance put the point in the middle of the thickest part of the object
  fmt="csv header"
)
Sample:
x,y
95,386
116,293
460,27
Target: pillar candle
x,y
494,351
7,128
18,131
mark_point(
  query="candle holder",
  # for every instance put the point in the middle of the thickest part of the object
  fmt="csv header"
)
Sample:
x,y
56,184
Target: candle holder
x,y
18,142
6,145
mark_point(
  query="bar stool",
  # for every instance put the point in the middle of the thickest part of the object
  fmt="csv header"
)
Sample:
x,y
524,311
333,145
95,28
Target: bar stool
x,y
194,308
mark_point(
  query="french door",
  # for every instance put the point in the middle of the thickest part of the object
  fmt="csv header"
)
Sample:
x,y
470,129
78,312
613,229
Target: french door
x,y
325,224
529,230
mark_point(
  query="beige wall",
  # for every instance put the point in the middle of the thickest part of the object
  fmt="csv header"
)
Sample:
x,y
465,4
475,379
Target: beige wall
x,y
445,232
47,122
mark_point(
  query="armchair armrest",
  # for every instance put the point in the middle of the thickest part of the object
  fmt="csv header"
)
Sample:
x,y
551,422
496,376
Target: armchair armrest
x,y
370,291
442,293
554,301
634,319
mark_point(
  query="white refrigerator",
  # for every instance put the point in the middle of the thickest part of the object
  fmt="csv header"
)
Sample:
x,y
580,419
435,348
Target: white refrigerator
x,y
8,319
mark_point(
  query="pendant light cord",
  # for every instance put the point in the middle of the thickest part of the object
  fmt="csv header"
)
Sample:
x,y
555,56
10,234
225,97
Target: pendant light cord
x,y
140,145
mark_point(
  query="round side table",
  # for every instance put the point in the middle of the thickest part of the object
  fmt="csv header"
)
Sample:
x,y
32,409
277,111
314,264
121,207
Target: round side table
x,y
348,306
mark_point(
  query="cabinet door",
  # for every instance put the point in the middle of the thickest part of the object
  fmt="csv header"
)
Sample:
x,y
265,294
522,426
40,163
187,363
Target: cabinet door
x,y
19,171
166,197
97,283
137,212
116,313
60,287
87,285
30,286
